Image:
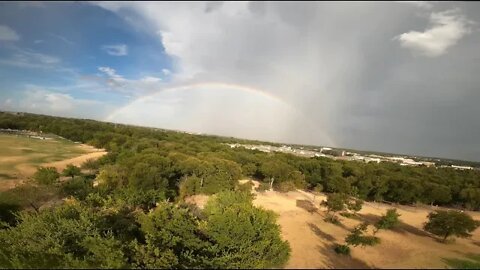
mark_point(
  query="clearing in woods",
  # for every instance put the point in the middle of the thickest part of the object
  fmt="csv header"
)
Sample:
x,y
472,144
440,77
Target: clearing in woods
x,y
312,239
21,155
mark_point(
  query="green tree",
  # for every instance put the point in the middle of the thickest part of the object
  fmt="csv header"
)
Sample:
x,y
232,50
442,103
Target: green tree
x,y
244,236
335,202
72,171
471,197
46,175
387,221
445,223
355,205
358,237
172,240
63,237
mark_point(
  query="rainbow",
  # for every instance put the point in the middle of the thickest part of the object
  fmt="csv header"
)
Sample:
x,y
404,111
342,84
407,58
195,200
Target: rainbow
x,y
209,85
217,86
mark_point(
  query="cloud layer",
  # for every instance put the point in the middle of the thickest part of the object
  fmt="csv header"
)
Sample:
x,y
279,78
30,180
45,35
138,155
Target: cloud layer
x,y
335,62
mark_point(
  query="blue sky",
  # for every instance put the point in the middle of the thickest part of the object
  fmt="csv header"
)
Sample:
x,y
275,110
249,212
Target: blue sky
x,y
61,46
385,76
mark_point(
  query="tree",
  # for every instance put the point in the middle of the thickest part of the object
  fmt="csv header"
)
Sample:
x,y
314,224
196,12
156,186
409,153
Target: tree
x,y
387,221
46,175
445,223
357,237
244,236
335,202
355,205
71,170
63,237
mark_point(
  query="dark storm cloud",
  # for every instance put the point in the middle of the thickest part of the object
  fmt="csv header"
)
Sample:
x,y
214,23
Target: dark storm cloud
x,y
395,77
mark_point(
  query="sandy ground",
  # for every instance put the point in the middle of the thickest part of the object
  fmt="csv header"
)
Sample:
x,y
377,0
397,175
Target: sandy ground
x,y
312,239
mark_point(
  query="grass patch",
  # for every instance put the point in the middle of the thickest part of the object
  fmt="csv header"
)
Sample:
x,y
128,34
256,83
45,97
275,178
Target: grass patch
x,y
472,261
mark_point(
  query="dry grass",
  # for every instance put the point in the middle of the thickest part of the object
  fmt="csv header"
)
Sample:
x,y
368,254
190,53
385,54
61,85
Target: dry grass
x,y
20,156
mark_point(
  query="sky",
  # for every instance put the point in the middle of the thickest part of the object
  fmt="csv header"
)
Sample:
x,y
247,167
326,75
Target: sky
x,y
400,77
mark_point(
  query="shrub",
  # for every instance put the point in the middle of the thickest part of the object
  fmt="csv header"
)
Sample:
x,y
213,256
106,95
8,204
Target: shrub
x,y
387,221
342,249
78,187
46,175
71,171
285,186
357,237
245,187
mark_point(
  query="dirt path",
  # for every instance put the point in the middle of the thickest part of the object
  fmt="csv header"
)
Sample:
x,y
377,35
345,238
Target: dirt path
x,y
77,161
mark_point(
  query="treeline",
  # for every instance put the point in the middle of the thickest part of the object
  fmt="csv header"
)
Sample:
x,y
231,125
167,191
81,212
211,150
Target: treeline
x,y
145,159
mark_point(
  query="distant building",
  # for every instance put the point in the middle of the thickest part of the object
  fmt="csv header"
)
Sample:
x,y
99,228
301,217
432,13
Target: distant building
x,y
462,167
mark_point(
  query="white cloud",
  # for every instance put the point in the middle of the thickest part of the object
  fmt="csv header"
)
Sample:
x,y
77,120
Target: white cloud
x,y
109,71
31,59
8,34
116,50
38,41
446,29
38,99
150,79
166,72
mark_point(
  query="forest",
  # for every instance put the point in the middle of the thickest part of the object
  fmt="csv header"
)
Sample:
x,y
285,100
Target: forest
x,y
129,211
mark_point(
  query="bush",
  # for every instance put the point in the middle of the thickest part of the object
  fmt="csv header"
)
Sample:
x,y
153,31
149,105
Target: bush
x,y
388,221
245,187
78,187
357,237
71,171
342,249
285,186
46,175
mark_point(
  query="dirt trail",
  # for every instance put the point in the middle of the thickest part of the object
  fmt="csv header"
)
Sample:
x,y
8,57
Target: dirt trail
x,y
77,161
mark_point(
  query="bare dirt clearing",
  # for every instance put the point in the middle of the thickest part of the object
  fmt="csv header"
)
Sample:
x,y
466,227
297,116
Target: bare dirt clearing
x,y
312,239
